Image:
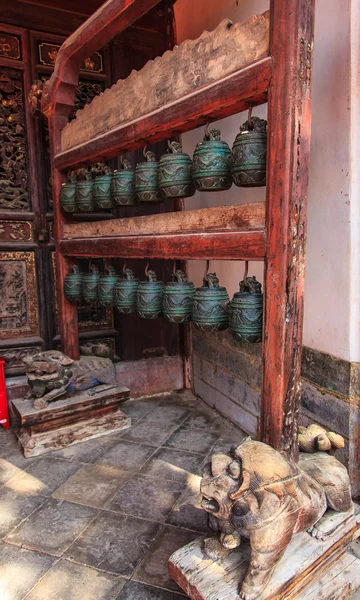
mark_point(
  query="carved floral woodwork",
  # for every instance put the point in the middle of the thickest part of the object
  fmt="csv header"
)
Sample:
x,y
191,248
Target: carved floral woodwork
x,y
10,46
18,290
16,231
48,53
15,358
13,146
255,492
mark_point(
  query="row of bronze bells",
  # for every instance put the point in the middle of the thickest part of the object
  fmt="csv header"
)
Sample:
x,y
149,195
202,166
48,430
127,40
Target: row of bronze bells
x,y
214,167
208,306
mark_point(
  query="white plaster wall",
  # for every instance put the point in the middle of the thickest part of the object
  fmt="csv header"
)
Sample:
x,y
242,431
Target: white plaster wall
x,y
332,297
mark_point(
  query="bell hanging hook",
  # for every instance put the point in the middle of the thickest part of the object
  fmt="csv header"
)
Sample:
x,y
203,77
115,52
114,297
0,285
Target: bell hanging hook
x,y
250,121
147,267
124,268
246,273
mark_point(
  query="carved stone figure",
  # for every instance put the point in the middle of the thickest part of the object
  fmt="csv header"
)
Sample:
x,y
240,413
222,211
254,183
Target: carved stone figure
x,y
256,493
51,374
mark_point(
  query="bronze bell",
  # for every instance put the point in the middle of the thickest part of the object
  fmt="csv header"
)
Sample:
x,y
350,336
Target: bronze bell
x,y
106,287
84,191
178,298
175,180
101,191
146,179
248,161
211,163
246,312
72,285
67,194
125,292
149,297
123,185
89,283
210,307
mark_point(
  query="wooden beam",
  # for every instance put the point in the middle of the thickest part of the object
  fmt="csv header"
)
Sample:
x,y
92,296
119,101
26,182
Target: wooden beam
x,y
225,97
108,21
289,117
223,245
243,216
179,72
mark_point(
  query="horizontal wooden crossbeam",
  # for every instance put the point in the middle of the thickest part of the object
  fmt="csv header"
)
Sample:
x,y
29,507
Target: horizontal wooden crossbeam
x,y
222,98
223,245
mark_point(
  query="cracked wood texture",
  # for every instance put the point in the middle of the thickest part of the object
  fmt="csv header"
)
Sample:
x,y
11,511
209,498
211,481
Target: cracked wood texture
x,y
176,74
289,118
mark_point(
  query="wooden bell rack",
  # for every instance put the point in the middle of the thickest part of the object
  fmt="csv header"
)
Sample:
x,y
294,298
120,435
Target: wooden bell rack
x,y
274,232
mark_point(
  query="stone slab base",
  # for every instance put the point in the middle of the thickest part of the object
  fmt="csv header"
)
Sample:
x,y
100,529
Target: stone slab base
x,y
309,570
68,421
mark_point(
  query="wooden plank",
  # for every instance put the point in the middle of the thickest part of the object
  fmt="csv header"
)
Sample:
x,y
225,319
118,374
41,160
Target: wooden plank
x,y
179,72
108,21
231,245
227,96
243,216
305,558
289,117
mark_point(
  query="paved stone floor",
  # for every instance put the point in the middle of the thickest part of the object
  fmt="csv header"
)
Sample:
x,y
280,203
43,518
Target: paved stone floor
x,y
98,520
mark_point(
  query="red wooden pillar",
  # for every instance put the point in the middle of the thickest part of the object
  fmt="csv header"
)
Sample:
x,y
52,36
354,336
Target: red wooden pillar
x,y
68,315
289,124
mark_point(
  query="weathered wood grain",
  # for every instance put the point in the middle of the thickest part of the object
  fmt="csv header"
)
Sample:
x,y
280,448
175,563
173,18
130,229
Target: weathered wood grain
x,y
243,216
226,96
305,559
232,245
288,153
193,64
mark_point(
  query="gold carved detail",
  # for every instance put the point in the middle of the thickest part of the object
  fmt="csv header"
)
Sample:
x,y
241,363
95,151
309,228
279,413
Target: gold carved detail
x,y
10,46
48,53
18,290
16,231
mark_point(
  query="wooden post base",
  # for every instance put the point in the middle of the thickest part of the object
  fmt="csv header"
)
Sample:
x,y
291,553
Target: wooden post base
x,y
309,570
71,420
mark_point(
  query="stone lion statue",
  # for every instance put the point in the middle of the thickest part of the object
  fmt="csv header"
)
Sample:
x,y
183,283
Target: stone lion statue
x,y
51,374
256,493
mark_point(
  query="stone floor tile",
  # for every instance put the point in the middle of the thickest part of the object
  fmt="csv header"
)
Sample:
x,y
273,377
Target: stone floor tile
x,y
153,569
168,415
88,451
126,456
20,570
14,507
177,465
138,591
149,433
146,498
226,442
207,419
184,398
67,581
137,409
113,542
12,461
194,440
52,527
187,511
91,485
43,477
7,437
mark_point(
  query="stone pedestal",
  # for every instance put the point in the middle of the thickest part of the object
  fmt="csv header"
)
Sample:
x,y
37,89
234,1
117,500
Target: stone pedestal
x,y
70,420
309,570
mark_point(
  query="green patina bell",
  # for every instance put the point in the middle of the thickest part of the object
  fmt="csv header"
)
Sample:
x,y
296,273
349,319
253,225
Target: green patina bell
x,y
210,307
246,312
101,191
84,192
123,185
106,287
178,299
125,293
89,283
211,163
146,179
67,194
248,161
72,285
175,180
149,297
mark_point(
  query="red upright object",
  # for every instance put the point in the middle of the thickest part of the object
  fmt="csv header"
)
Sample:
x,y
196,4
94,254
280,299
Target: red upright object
x,y
4,409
